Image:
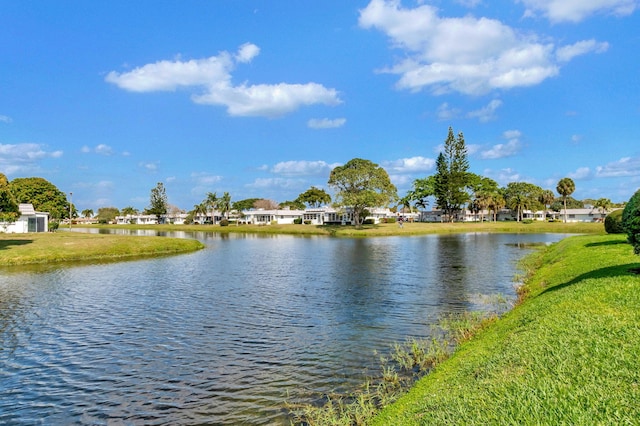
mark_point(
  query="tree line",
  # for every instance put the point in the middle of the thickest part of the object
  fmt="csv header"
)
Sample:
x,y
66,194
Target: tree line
x,y
359,184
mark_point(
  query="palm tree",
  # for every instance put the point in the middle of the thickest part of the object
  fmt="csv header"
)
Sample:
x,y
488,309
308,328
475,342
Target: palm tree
x,y
565,187
210,203
603,205
546,198
128,211
87,213
199,209
224,204
518,203
482,201
496,202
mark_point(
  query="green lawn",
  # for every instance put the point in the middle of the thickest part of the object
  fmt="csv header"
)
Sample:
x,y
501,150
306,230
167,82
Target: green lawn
x,y
21,249
570,354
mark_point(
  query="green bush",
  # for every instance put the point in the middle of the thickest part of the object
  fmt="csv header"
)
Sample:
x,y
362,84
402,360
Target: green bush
x,y
631,221
307,222
54,225
224,222
613,222
297,221
527,221
368,222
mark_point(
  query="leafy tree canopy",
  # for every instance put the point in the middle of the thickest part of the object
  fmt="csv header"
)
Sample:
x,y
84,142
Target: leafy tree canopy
x,y
246,204
9,211
361,184
44,196
293,205
107,214
420,192
520,196
314,197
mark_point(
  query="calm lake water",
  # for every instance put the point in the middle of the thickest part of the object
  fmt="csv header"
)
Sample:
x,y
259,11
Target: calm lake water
x,y
225,335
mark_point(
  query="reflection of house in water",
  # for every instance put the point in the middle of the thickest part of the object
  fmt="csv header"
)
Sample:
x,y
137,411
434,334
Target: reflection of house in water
x,y
29,221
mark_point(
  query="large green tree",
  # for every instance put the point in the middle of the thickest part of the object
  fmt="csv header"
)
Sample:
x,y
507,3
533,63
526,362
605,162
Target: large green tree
x,y
44,196
520,196
9,211
246,204
420,191
361,184
314,197
158,202
107,214
565,187
452,177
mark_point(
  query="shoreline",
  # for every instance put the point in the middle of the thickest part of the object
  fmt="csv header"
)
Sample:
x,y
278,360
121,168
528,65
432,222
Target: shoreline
x,y
66,247
566,354
384,229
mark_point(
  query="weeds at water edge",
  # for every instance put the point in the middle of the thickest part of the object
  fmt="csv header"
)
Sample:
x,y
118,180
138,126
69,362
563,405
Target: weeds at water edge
x,y
405,364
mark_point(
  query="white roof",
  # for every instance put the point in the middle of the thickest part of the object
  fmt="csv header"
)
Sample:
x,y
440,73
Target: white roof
x,y
26,209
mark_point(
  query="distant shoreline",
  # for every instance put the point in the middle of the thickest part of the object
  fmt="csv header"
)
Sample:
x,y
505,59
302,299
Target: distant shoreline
x,y
384,229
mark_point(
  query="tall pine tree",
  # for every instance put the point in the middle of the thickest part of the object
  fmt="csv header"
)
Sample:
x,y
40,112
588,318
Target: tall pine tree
x,y
452,176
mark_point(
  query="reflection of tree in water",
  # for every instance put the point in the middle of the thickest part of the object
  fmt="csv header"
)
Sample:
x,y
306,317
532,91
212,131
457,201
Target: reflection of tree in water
x,y
454,271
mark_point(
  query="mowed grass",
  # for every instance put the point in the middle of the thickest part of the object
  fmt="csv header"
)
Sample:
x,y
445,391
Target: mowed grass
x,y
22,249
569,354
383,229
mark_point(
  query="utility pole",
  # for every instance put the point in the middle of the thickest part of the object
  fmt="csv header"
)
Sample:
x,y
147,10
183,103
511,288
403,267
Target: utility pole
x,y
70,208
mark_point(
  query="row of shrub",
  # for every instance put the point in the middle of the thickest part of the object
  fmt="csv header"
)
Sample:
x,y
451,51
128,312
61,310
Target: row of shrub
x,y
626,221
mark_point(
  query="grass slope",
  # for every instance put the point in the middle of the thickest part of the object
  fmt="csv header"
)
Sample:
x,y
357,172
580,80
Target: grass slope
x,y
570,354
21,249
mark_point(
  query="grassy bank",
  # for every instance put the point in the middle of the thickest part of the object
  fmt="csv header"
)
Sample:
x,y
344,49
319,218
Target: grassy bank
x,y
570,354
384,229
21,249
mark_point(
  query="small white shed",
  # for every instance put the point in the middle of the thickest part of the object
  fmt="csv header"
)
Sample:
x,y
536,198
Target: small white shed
x,y
29,221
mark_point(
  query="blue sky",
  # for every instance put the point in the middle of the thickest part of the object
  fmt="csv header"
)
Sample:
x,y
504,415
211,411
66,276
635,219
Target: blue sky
x,y
262,99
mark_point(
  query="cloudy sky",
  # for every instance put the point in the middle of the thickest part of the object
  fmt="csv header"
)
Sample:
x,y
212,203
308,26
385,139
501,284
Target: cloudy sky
x,y
262,99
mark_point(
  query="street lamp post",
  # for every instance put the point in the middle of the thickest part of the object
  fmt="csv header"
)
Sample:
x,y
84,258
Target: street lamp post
x,y
70,208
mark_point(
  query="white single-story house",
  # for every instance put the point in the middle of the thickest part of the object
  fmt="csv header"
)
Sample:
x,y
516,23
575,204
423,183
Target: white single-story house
x,y
28,221
151,219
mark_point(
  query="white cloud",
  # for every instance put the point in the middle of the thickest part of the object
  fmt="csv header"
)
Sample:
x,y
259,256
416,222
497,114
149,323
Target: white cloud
x,y
5,119
409,165
578,10
24,157
447,113
567,53
581,173
625,167
467,55
303,168
326,123
270,183
501,150
204,179
486,113
213,76
103,149
151,167
504,176
247,52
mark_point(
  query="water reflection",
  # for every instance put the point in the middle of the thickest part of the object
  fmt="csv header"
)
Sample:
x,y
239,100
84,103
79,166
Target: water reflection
x,y
226,334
